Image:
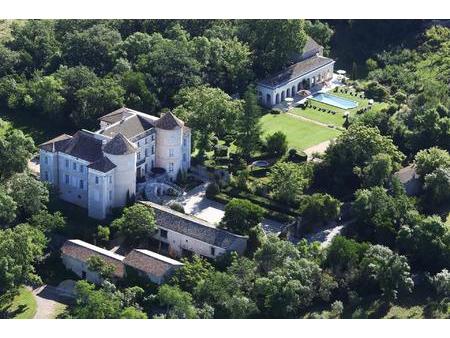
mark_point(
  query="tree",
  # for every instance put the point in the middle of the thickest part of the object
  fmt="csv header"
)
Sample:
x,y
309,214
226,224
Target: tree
x,y
437,187
208,111
388,270
36,43
98,265
273,253
47,222
137,94
248,125
15,150
288,180
241,215
319,31
95,304
103,233
319,208
277,144
191,273
7,208
102,96
275,43
30,195
425,242
343,257
378,171
351,153
92,47
428,160
131,312
177,303
379,215
20,248
136,223
441,282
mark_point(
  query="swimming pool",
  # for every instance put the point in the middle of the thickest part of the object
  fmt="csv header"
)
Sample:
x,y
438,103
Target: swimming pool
x,y
336,101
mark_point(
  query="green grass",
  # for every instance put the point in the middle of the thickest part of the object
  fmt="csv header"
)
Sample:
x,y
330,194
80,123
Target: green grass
x,y
21,306
300,134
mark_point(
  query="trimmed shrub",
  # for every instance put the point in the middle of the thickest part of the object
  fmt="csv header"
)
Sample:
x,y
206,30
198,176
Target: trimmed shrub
x,y
177,207
212,189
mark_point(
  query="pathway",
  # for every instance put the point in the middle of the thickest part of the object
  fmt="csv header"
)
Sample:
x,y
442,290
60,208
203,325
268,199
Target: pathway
x,y
196,204
50,301
318,148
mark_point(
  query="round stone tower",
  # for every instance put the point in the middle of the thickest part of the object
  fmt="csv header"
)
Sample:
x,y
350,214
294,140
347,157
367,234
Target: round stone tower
x,y
169,144
122,153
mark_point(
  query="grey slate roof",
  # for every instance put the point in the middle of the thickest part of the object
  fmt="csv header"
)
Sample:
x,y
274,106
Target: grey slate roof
x,y
169,121
84,145
119,145
410,180
311,45
150,262
104,165
296,70
116,115
130,127
56,144
192,226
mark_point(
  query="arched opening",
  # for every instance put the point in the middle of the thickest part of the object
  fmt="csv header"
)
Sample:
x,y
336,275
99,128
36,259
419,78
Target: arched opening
x,y
299,86
288,92
305,84
282,95
293,91
268,99
277,99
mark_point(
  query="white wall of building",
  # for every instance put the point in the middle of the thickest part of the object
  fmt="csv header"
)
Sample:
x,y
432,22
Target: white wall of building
x,y
101,193
169,147
125,177
78,267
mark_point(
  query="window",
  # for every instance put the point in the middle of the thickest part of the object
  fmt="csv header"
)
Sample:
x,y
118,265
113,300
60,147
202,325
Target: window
x,y
170,167
81,184
67,164
213,251
110,195
153,137
146,152
139,144
138,156
45,159
110,179
67,179
146,140
184,141
163,233
81,168
170,152
153,150
96,179
74,165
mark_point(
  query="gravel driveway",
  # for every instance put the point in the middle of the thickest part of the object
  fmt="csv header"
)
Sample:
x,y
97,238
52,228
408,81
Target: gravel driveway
x,y
50,301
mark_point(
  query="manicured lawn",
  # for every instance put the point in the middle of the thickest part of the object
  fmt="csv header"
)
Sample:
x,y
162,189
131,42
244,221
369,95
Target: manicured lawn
x,y
21,306
336,119
300,134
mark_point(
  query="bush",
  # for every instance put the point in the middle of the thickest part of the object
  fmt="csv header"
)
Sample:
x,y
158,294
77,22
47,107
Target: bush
x,y
296,156
275,112
212,189
220,150
277,144
177,207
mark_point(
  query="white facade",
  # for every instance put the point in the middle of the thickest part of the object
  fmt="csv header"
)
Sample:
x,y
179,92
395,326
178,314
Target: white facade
x,y
84,180
272,95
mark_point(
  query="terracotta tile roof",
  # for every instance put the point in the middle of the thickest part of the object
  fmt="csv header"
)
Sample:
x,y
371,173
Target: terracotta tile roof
x,y
56,144
104,165
193,227
169,121
119,145
296,70
84,145
82,251
150,262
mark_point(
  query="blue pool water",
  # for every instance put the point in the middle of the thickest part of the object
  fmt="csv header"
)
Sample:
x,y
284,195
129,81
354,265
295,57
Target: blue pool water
x,y
336,101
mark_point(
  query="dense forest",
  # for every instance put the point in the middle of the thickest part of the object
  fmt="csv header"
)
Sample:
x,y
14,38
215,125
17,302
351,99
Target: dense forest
x,y
64,74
